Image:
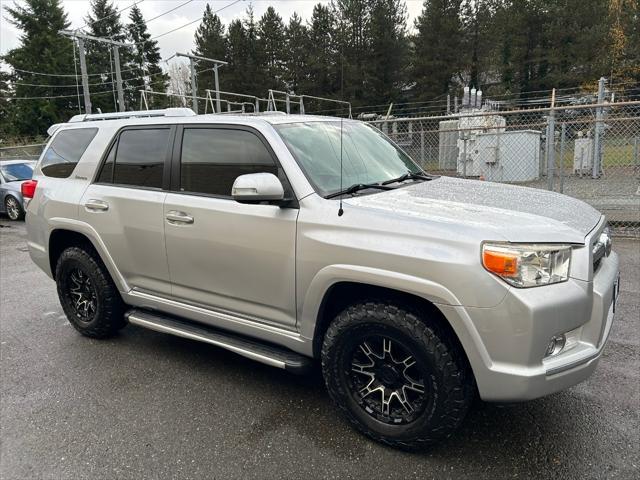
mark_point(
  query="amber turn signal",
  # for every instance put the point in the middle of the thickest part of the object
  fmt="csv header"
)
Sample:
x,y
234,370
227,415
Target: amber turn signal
x,y
500,263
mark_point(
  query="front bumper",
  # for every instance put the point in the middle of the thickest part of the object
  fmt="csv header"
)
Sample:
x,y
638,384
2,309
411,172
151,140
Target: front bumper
x,y
510,339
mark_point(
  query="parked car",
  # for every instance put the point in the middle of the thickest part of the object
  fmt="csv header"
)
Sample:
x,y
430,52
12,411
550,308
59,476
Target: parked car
x,y
13,173
293,239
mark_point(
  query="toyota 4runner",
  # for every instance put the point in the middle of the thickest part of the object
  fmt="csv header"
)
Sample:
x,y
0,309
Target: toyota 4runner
x,y
291,239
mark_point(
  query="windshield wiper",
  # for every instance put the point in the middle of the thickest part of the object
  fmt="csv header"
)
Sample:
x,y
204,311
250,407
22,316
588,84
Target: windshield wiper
x,y
409,176
356,187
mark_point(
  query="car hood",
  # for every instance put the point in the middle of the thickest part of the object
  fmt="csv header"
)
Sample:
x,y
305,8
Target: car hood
x,y
513,213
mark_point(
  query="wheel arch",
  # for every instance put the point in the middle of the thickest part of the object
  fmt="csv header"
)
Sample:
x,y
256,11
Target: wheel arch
x,y
419,294
60,239
83,236
342,294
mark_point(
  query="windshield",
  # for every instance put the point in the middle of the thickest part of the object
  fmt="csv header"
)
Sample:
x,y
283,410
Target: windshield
x,y
16,171
367,155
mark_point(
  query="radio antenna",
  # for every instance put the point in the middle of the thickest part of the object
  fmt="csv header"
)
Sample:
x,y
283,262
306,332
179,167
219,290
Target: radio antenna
x,y
340,210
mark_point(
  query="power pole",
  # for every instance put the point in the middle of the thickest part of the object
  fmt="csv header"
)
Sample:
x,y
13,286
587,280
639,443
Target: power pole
x,y
194,79
80,37
116,58
597,137
85,77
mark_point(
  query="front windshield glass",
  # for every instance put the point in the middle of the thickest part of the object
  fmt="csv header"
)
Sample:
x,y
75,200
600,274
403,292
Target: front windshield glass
x,y
367,155
16,171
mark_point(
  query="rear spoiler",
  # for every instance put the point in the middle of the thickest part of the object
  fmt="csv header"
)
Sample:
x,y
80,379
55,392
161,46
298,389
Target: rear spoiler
x,y
54,128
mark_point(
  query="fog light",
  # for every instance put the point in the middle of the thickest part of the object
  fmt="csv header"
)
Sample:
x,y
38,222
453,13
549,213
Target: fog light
x,y
555,345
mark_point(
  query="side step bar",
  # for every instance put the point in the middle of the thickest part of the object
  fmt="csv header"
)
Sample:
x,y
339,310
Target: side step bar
x,y
261,352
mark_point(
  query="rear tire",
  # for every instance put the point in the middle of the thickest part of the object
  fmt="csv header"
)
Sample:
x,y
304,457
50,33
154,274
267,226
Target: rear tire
x,y
88,295
13,208
397,378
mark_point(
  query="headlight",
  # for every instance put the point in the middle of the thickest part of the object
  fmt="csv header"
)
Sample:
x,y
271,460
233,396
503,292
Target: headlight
x,y
527,265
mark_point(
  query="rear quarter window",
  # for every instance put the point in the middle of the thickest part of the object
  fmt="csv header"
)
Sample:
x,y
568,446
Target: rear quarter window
x,y
65,151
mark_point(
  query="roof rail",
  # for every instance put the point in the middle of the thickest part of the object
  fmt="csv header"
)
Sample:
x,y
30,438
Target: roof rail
x,y
250,114
166,112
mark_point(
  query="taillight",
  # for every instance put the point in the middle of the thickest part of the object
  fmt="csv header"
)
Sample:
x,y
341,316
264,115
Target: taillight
x,y
28,188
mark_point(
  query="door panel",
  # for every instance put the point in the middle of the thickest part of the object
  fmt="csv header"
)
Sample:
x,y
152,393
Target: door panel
x,y
130,223
232,256
125,206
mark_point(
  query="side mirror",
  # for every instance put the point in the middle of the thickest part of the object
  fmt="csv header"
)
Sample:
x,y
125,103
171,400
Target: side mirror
x,y
257,187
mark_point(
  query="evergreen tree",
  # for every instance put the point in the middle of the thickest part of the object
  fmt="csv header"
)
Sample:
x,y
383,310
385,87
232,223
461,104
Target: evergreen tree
x,y
104,21
388,48
322,59
145,61
353,17
255,79
574,43
271,43
237,58
210,43
478,42
436,56
41,49
624,42
295,54
6,107
542,44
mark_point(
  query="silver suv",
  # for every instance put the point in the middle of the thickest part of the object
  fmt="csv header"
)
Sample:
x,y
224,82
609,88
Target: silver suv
x,y
292,239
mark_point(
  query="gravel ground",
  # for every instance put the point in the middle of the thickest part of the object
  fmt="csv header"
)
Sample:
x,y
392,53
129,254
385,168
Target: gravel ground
x,y
148,405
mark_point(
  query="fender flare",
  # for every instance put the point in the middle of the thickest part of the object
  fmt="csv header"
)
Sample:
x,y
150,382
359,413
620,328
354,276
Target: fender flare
x,y
333,274
59,223
442,298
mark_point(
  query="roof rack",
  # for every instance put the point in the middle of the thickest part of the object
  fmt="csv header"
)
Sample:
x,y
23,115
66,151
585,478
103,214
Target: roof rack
x,y
166,112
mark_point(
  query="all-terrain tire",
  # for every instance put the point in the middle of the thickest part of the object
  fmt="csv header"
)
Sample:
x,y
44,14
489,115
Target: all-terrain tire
x,y
449,387
108,313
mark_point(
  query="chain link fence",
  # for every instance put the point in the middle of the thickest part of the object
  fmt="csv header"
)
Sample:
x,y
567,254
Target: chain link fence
x,y
21,152
591,152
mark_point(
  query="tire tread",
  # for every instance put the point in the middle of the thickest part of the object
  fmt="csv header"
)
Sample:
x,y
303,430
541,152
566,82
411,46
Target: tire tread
x,y
110,315
457,383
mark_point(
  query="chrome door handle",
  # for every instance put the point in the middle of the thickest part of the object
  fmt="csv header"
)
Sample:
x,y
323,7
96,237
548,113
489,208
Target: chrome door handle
x,y
178,217
96,205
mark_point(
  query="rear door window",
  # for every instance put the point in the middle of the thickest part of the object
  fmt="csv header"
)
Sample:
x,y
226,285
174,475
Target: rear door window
x,y
137,158
65,151
212,158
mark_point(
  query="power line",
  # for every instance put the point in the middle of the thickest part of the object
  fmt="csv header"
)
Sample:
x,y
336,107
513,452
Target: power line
x,y
50,97
53,97
169,11
186,24
96,84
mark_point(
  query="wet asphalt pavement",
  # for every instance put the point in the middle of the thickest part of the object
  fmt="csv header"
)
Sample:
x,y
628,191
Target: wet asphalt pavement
x,y
148,405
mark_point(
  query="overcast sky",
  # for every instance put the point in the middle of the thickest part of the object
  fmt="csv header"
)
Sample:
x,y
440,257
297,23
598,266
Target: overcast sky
x,y
180,40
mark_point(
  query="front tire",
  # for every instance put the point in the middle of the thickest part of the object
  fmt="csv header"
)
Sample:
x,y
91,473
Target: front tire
x,y
397,378
87,294
13,208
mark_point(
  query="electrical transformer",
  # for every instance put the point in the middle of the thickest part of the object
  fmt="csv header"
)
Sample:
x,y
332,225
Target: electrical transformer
x,y
512,156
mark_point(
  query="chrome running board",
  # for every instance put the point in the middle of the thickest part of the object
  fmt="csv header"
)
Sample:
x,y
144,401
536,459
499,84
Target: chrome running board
x,y
265,353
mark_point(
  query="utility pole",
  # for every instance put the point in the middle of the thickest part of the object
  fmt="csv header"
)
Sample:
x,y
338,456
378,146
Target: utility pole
x,y
194,79
80,37
551,142
85,77
116,57
597,141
